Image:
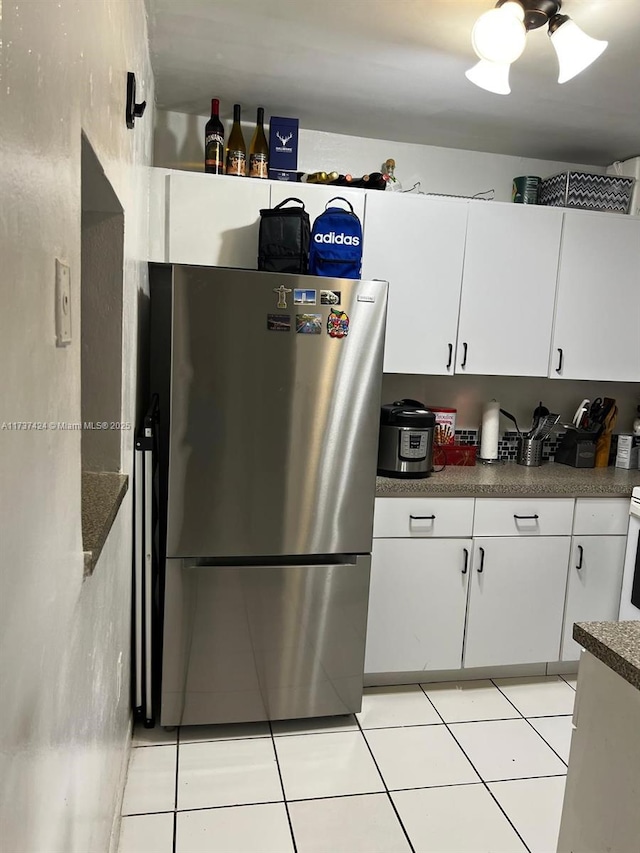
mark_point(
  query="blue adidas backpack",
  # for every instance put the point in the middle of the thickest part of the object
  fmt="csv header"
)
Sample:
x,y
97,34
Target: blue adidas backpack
x,y
336,243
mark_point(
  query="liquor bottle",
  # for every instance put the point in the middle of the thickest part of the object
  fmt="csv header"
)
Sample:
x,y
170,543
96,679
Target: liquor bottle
x,y
236,149
259,150
214,142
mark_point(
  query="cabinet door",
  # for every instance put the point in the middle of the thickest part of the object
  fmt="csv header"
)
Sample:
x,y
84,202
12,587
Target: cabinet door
x,y
213,220
417,245
316,196
595,581
417,604
508,289
598,306
516,600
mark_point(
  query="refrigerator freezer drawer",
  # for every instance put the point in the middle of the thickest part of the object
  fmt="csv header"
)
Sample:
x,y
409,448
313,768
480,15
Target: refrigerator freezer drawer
x,y
247,643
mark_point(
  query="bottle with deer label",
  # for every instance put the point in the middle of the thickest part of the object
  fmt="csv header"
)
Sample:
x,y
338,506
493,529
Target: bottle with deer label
x,y
214,142
259,150
236,149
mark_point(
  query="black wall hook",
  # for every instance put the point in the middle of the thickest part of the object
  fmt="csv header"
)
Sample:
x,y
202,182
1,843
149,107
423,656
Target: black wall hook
x,y
133,110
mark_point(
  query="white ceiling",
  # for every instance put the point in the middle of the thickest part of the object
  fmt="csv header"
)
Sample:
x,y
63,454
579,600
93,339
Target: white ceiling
x,y
394,69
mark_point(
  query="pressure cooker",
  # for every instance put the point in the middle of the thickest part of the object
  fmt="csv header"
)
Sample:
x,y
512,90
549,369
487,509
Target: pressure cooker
x,y
405,448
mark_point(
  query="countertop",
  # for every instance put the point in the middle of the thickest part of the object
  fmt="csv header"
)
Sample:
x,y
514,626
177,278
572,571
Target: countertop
x,y
509,480
102,495
615,643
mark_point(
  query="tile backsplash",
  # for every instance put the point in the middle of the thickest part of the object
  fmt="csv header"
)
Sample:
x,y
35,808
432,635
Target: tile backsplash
x,y
508,443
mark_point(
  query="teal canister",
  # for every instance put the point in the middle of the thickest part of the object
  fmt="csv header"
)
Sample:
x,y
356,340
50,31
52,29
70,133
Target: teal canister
x,y
525,189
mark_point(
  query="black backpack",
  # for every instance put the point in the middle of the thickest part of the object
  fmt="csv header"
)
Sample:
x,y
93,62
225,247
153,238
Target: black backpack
x,y
283,243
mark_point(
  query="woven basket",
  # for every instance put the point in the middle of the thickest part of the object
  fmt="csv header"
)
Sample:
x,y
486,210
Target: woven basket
x,y
587,192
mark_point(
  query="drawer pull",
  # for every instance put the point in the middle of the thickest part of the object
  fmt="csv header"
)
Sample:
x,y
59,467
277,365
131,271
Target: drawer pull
x,y
581,550
464,357
522,517
450,356
422,517
466,561
481,566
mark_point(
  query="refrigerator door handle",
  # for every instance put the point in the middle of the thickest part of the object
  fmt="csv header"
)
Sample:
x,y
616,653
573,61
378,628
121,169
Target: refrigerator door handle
x,y
270,562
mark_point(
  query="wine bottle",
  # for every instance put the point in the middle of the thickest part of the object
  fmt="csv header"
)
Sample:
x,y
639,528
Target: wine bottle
x,y
315,178
214,142
236,149
259,150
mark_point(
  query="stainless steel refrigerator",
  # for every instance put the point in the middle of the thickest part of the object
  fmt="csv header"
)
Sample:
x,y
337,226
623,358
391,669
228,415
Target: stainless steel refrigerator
x,y
274,411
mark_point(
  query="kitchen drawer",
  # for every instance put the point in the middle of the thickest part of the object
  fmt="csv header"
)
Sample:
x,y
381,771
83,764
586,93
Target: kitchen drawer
x,y
601,517
431,517
523,517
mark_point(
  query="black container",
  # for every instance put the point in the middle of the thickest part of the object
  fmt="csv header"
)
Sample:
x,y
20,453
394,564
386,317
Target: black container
x,y
577,448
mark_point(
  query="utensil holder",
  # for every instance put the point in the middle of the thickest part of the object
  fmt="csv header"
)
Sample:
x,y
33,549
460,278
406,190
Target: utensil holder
x,y
529,452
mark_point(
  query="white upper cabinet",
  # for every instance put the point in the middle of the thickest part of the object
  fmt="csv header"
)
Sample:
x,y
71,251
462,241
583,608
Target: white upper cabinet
x,y
210,220
597,325
316,196
417,245
508,289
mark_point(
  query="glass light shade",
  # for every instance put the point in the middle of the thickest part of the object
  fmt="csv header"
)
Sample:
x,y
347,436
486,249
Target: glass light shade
x,y
575,49
500,35
492,76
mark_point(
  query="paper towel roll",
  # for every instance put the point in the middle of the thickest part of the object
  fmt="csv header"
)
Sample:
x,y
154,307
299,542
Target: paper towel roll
x,y
490,430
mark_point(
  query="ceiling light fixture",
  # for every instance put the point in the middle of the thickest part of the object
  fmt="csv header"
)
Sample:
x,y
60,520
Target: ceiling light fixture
x,y
499,37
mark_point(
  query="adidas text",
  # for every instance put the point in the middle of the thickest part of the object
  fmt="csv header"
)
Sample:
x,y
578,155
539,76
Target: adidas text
x,y
338,239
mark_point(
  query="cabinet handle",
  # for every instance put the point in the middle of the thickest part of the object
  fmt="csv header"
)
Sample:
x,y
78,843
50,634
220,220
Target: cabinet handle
x,y
423,517
450,356
481,566
581,550
466,561
464,357
559,367
521,517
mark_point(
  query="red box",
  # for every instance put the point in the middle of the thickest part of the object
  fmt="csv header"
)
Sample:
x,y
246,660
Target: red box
x,y
454,454
445,424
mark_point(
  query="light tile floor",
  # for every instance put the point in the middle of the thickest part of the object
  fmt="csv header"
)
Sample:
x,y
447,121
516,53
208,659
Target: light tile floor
x,y
464,767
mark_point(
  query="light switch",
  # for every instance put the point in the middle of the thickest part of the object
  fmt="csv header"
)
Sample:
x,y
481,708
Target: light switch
x,y
63,304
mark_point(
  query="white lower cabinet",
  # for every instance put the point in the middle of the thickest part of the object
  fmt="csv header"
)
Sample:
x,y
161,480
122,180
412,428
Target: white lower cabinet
x,y
516,600
417,604
493,589
595,580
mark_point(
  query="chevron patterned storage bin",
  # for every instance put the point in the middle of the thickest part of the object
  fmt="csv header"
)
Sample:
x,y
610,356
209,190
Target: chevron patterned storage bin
x,y
587,192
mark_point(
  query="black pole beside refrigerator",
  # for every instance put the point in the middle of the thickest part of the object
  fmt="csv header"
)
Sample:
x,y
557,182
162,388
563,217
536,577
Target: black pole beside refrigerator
x,y
269,401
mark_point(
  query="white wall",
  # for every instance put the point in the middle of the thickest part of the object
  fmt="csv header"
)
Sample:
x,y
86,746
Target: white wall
x,y
517,394
64,643
178,144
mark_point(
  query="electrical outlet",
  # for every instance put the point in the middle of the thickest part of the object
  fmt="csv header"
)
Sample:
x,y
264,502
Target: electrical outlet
x,y
63,304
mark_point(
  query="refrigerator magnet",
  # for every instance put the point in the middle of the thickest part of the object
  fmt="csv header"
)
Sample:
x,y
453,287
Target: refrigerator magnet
x,y
279,322
308,324
337,324
282,295
330,297
304,297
